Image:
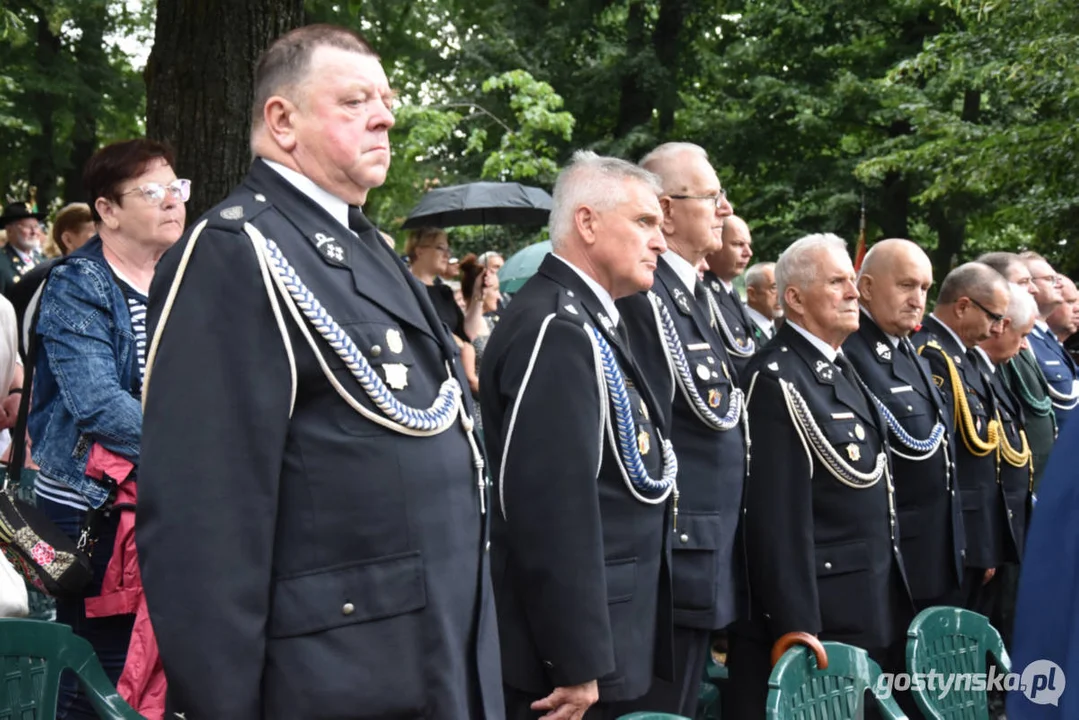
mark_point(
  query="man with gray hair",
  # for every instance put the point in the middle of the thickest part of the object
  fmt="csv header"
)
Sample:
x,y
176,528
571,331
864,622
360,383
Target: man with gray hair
x,y
1015,469
584,471
682,355
893,283
762,301
1060,370
311,488
821,540
971,307
1022,375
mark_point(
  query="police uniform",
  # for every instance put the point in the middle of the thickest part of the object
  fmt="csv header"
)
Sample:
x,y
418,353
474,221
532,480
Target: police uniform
x,y
732,322
583,477
920,430
821,542
311,528
684,359
1059,369
1023,378
961,382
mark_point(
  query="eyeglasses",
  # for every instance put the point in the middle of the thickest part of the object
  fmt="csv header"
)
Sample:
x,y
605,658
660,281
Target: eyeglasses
x,y
716,199
155,193
441,249
1054,279
997,319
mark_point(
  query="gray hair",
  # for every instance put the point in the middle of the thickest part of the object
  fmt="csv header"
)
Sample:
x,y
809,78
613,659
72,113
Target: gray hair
x,y
1002,262
661,161
1022,308
595,181
795,267
969,280
486,257
755,274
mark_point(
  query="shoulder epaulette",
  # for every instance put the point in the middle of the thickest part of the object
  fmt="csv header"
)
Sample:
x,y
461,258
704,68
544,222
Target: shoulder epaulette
x,y
236,210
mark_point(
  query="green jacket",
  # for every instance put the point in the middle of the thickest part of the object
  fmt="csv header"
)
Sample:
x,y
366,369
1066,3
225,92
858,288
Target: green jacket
x,y
1024,379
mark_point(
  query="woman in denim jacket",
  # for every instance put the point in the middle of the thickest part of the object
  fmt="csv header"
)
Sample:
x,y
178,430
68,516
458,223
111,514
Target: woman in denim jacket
x,y
91,353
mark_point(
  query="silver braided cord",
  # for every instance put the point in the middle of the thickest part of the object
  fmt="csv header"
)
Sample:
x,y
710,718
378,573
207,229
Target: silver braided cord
x,y
432,421
672,347
822,448
927,447
718,321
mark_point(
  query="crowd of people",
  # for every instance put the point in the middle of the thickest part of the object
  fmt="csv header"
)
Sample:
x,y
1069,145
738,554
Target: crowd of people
x,y
355,496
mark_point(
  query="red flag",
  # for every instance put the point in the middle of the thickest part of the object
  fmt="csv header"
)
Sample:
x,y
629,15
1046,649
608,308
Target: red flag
x,y
860,248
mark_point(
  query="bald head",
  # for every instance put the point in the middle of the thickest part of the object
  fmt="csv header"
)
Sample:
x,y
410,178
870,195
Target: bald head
x,y
731,260
893,283
1063,320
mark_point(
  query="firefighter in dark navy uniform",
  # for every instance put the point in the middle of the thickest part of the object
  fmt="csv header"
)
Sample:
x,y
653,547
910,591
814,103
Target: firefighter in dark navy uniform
x,y
822,545
311,525
583,466
674,337
970,308
893,282
725,264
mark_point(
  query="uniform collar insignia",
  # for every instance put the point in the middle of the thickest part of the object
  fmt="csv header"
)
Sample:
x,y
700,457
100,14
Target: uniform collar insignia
x,y
606,323
682,300
716,287
330,249
824,370
883,351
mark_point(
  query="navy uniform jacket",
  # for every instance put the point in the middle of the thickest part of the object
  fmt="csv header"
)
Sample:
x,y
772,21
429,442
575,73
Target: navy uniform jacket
x,y
301,560
711,462
13,267
982,496
736,327
580,570
1017,482
930,515
823,556
1059,369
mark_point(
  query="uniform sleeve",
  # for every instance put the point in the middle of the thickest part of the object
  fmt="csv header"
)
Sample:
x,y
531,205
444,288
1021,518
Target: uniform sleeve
x,y
548,487
215,423
778,517
647,347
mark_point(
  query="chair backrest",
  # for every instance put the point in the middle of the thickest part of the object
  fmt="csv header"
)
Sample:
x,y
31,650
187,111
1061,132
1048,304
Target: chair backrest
x,y
802,687
952,642
33,654
646,715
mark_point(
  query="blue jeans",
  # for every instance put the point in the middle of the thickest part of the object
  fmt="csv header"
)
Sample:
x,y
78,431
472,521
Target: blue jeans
x,y
109,636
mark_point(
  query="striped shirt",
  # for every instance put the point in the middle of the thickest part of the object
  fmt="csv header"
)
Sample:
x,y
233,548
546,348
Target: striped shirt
x,y
57,490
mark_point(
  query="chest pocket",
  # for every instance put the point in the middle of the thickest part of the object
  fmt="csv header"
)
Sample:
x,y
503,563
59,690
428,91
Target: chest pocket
x,y
905,404
854,440
381,344
646,438
708,372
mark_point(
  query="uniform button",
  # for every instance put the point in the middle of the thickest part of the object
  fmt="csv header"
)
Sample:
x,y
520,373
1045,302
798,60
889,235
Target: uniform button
x,y
684,538
548,664
376,351
570,293
963,553
348,609
487,547
1010,514
827,566
909,408
260,197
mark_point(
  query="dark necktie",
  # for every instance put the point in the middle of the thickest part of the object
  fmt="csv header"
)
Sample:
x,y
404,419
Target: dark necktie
x,y
370,238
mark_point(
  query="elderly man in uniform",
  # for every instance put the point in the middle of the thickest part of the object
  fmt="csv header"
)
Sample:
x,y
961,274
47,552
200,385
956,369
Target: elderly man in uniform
x,y
22,252
894,280
821,541
673,336
970,308
1062,321
762,301
725,264
1021,375
1060,370
583,465
310,522
1015,463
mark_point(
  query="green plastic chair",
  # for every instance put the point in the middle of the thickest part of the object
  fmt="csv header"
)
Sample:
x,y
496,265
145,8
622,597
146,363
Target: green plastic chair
x,y
708,702
33,654
952,641
823,680
651,716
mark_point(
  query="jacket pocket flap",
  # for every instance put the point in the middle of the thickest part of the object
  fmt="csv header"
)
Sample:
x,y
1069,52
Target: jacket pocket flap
x,y
697,532
841,558
348,594
621,580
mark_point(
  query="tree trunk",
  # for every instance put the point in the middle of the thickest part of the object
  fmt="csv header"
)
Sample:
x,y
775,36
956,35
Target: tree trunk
x,y
667,40
43,170
90,59
199,81
635,103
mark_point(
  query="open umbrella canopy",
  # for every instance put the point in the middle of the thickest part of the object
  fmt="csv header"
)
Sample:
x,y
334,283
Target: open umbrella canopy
x,y
481,203
521,266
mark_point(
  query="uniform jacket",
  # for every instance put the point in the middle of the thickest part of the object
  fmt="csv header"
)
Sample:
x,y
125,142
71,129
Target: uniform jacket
x,y
981,494
1017,482
930,515
1059,369
1023,378
823,556
740,342
579,565
711,462
299,559
13,267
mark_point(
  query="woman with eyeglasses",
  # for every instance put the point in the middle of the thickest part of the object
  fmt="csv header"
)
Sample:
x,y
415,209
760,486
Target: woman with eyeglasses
x,y
428,253
91,332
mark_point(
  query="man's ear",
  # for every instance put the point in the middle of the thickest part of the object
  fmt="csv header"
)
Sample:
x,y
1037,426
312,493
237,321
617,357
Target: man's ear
x,y
278,115
584,220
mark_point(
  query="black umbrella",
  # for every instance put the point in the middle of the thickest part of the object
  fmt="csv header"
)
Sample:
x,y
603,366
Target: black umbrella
x,y
481,203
